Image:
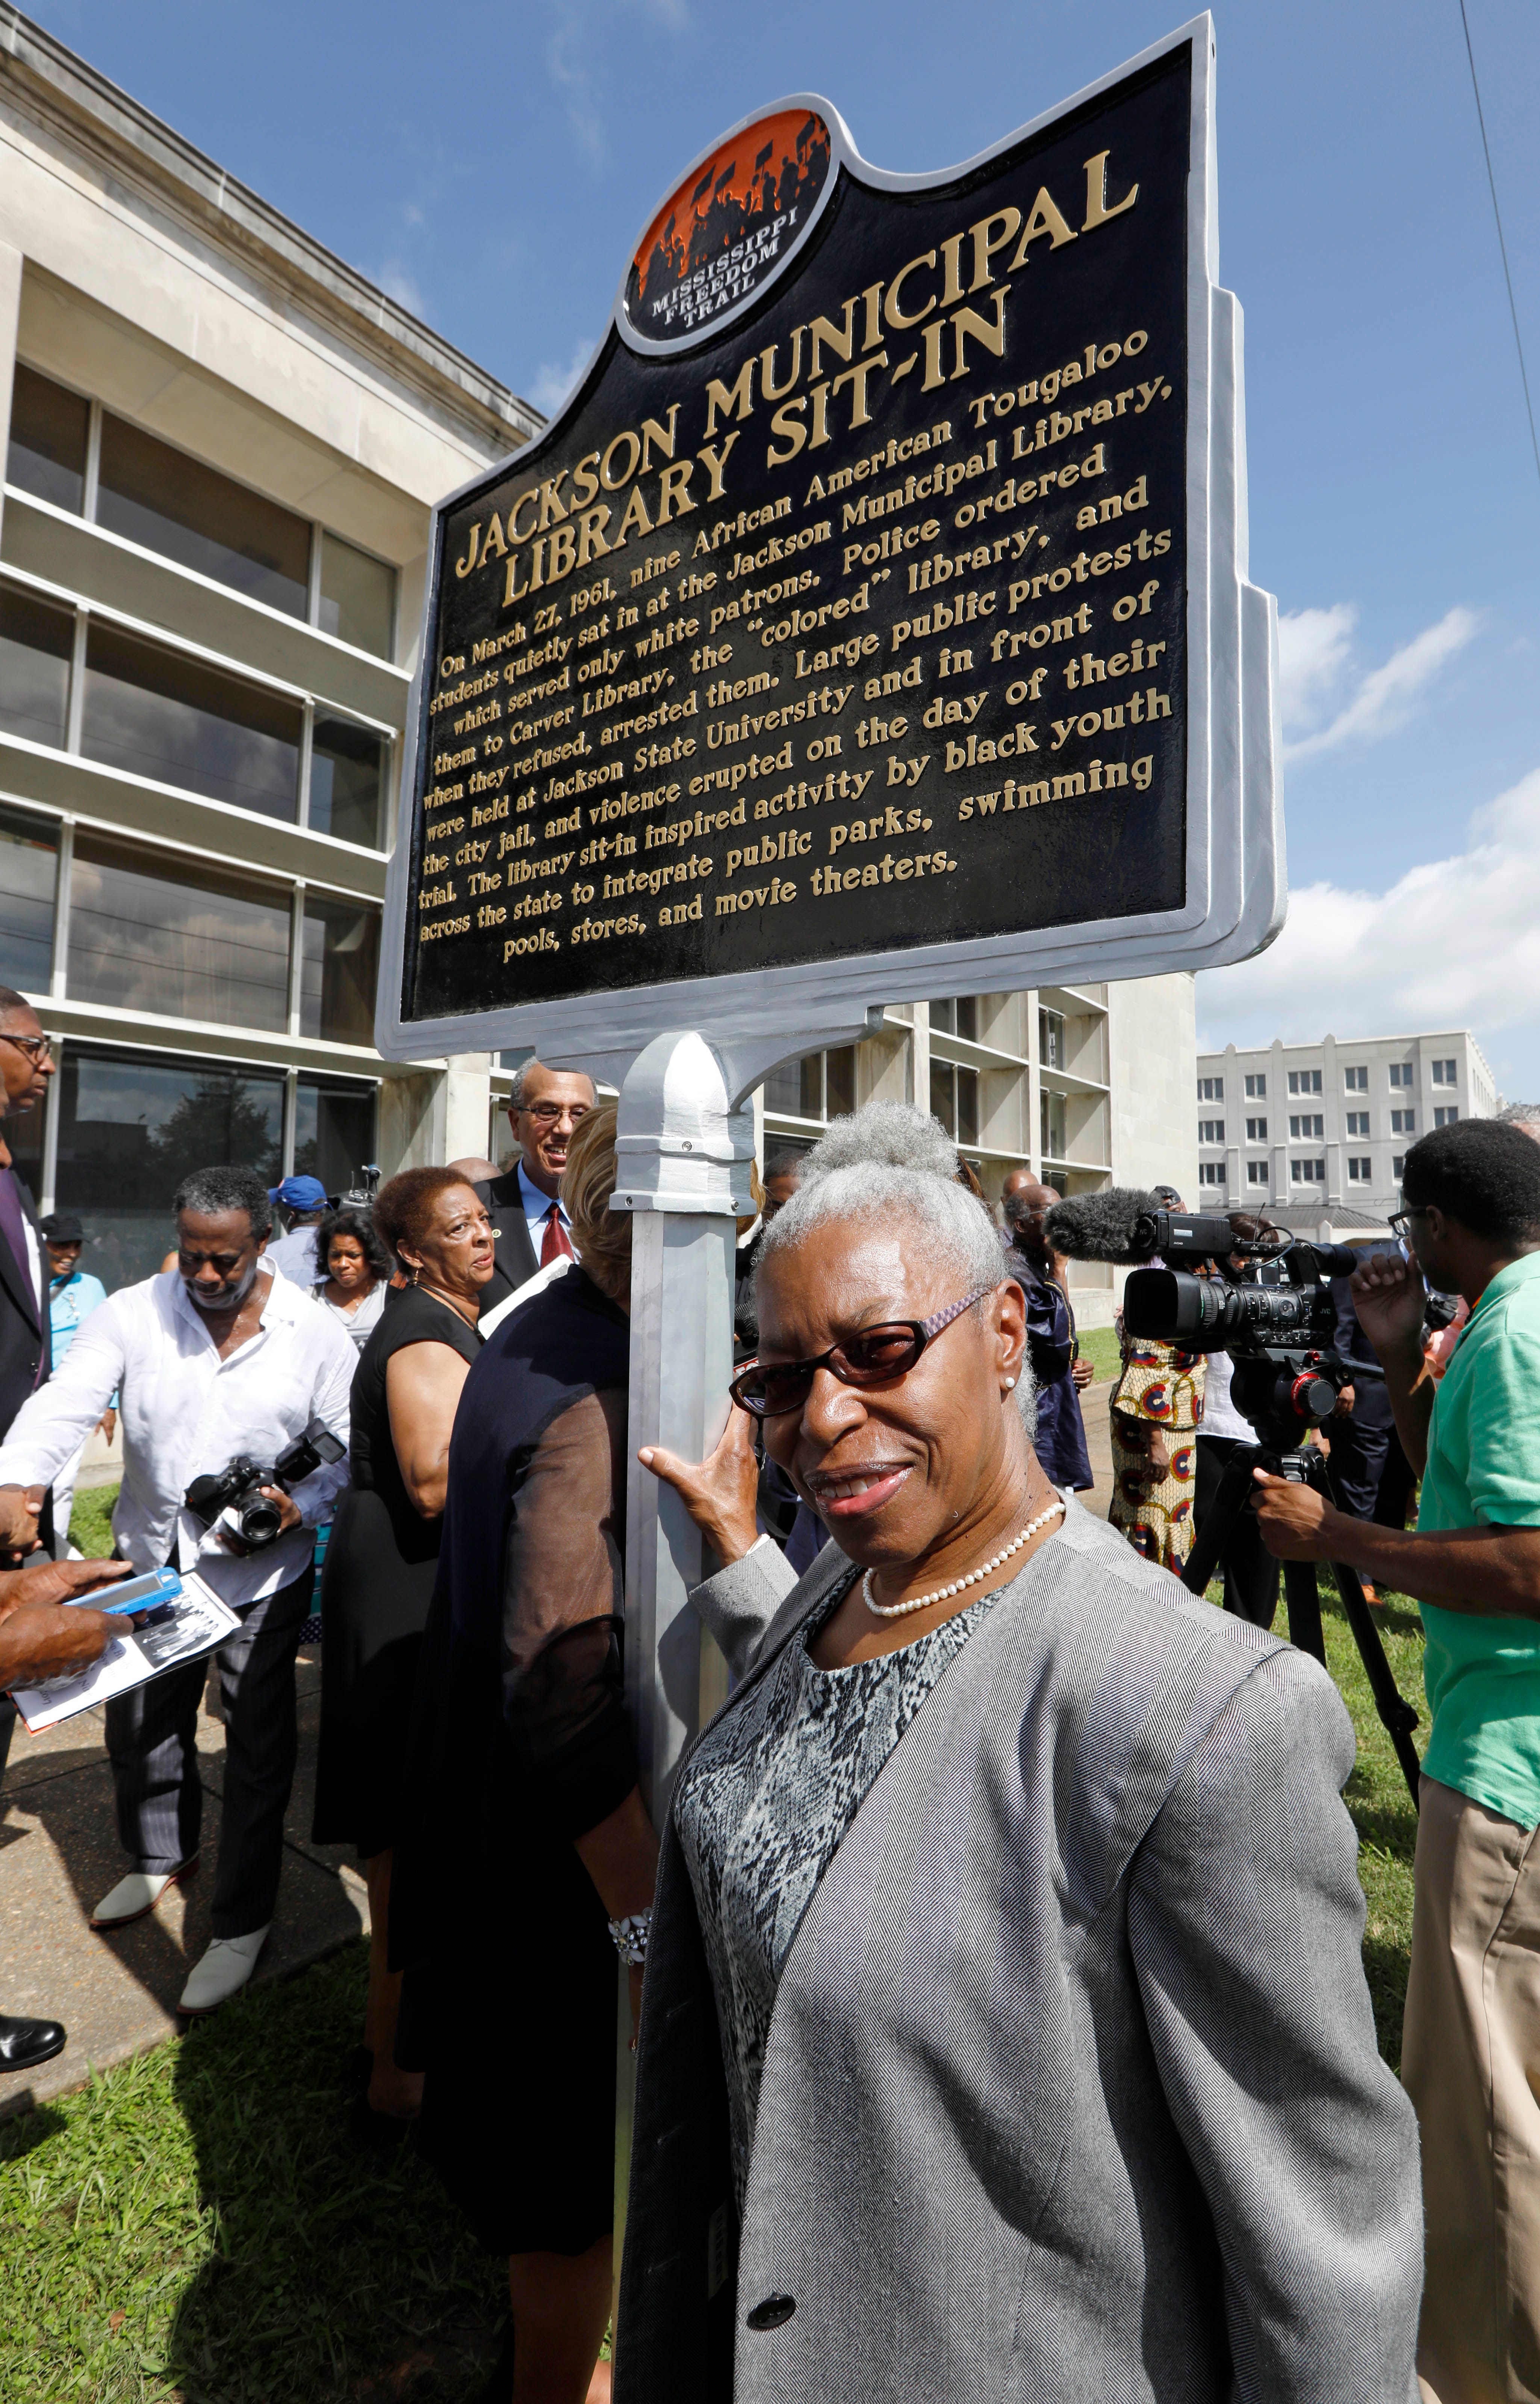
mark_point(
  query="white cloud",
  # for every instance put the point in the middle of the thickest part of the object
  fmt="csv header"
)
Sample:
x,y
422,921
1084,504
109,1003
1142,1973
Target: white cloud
x,y
1454,942
1312,652
554,379
402,285
1315,654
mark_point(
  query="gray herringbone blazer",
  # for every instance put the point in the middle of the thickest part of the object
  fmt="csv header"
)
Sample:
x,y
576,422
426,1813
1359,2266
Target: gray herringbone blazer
x,y
1072,2090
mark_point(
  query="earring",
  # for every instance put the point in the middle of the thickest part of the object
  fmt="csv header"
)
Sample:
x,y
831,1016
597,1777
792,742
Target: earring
x,y
1009,1383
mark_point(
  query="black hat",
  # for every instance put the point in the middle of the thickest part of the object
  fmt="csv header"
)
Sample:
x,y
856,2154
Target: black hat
x,y
62,1227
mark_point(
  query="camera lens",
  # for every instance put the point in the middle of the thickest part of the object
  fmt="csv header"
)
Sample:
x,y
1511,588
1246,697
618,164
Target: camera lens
x,y
260,1521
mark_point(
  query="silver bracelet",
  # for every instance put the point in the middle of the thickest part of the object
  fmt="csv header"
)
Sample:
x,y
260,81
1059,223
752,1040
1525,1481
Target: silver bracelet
x,y
630,1936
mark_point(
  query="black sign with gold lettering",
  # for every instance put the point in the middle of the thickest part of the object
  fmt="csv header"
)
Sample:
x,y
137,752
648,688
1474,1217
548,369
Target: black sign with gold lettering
x,y
844,607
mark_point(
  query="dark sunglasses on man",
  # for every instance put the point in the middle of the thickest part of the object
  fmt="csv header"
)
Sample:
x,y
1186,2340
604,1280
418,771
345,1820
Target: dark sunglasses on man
x,y
874,1356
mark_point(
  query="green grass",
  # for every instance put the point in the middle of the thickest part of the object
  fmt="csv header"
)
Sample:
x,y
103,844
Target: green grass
x,y
1383,1810
90,1522
1098,1344
198,2225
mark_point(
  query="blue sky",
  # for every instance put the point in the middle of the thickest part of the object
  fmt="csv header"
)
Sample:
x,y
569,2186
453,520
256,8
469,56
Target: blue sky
x,y
493,166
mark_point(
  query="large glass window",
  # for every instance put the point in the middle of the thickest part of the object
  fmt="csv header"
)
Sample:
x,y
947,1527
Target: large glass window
x,y
346,780
333,1130
27,865
167,501
821,1086
160,713
341,958
49,429
954,1100
24,1136
132,1125
35,640
357,597
1050,1125
956,1017
148,932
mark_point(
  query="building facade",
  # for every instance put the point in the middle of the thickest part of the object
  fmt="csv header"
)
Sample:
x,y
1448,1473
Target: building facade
x,y
1084,1084
1312,1127
221,450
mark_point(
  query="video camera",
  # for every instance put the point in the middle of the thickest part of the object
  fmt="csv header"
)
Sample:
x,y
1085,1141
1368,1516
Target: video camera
x,y
1267,1300
1274,1313
236,1489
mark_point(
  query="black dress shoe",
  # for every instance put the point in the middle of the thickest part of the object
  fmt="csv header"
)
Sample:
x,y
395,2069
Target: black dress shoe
x,y
372,2128
23,2043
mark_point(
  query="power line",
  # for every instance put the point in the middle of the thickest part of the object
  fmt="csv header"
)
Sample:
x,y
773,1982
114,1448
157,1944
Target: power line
x,y
1508,277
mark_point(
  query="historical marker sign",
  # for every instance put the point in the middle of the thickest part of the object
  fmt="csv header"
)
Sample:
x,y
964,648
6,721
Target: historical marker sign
x,y
873,620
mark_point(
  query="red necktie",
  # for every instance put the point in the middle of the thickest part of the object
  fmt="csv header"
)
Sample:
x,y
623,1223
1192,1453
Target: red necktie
x,y
555,1245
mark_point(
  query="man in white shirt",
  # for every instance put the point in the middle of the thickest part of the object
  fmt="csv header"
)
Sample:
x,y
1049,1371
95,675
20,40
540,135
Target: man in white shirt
x,y
218,1357
545,1107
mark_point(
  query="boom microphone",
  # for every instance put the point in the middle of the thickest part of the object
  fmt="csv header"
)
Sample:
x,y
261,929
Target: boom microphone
x,y
1118,1225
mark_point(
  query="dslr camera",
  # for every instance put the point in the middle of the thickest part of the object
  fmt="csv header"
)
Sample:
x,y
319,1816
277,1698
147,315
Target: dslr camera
x,y
236,1488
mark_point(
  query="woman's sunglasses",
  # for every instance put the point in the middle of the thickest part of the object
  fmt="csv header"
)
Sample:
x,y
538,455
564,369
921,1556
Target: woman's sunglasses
x,y
873,1357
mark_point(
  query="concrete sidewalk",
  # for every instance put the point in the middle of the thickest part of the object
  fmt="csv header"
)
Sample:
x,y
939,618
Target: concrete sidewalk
x,y
59,1855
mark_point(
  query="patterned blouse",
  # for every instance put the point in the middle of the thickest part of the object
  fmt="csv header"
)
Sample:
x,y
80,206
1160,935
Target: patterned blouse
x,y
762,1806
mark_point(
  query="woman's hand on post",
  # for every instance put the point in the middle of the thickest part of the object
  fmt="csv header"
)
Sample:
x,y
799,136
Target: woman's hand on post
x,y
717,1492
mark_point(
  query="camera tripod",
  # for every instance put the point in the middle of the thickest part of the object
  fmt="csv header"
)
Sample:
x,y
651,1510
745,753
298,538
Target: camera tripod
x,y
1305,1466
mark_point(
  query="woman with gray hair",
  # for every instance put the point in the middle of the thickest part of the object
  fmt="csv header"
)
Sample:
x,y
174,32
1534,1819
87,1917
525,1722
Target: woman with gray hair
x,y
1004,2029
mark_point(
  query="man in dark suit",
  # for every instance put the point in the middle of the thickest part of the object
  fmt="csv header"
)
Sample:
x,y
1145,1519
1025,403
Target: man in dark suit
x,y
26,1064
545,1109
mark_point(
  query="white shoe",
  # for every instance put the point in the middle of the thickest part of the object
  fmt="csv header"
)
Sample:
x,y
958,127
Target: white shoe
x,y
223,1971
138,1894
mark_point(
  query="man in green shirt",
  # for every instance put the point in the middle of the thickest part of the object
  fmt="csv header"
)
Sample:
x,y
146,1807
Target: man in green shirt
x,y
1471,2041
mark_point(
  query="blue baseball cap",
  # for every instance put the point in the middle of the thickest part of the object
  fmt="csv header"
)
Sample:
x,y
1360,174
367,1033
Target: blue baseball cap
x,y
299,1193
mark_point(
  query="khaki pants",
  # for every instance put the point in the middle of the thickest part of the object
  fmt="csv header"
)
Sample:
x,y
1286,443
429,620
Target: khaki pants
x,y
1471,2064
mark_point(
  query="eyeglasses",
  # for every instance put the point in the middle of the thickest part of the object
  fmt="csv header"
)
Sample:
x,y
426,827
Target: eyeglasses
x,y
36,1047
875,1357
548,1112
1400,1227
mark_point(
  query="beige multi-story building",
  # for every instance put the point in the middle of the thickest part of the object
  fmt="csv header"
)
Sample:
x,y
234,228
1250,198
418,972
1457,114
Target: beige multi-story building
x,y
1318,1129
1084,1084
221,449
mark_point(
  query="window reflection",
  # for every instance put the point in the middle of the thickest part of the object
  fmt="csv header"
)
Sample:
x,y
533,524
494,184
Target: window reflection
x,y
147,933
36,641
160,713
333,1130
27,863
167,501
357,597
131,1124
49,431
346,778
341,955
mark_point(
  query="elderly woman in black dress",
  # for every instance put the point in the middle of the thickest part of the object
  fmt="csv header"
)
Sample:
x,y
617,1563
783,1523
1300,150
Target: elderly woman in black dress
x,y
526,1830
383,1556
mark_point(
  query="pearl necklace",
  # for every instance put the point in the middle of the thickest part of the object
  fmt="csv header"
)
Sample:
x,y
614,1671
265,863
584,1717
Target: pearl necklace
x,y
923,1602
